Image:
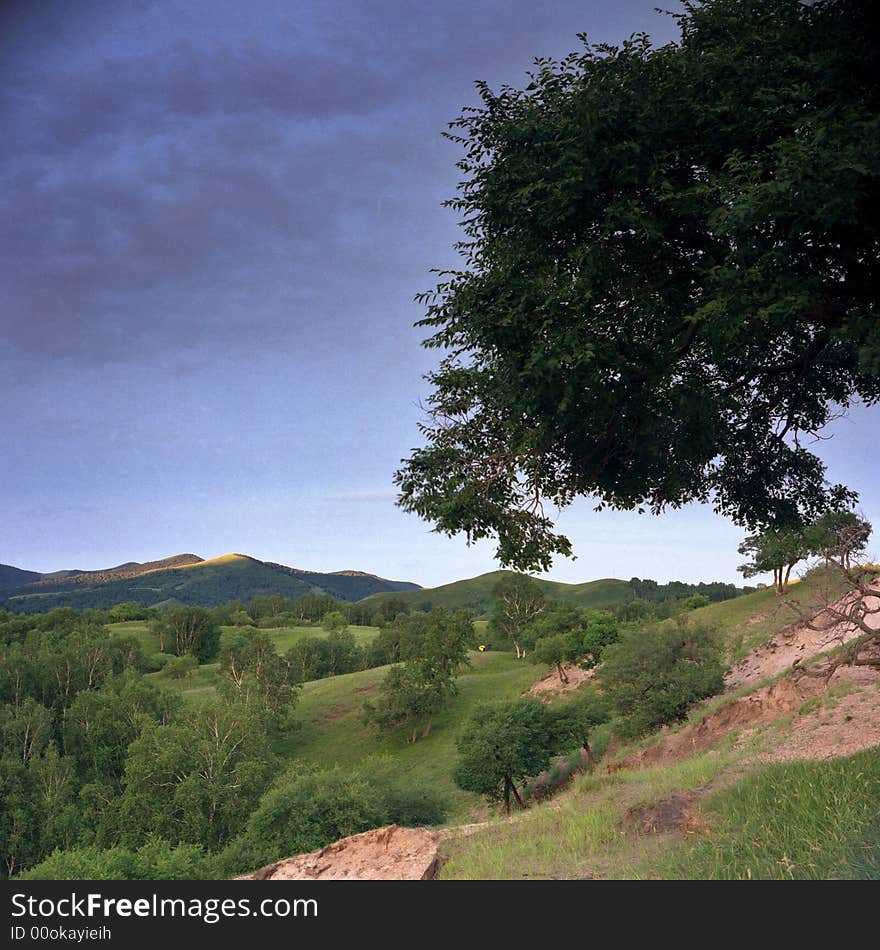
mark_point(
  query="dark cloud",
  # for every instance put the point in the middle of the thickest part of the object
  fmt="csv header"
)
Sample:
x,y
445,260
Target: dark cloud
x,y
60,111
150,187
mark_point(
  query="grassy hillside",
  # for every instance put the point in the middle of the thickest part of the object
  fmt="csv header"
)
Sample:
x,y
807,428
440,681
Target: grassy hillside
x,y
752,619
189,580
327,730
331,732
475,594
719,813
794,820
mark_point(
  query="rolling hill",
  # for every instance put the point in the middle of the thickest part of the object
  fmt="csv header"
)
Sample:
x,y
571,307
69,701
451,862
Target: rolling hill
x,y
475,594
183,578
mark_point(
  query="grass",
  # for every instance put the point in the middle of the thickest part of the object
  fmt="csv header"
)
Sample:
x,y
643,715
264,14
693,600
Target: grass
x,y
331,733
285,637
801,820
583,833
751,620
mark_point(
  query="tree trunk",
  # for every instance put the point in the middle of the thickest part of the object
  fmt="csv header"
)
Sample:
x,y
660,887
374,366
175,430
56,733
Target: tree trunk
x,y
427,730
562,677
507,794
787,575
519,801
519,655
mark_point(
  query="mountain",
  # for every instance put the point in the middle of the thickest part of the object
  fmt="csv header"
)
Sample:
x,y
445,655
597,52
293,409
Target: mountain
x,y
183,578
11,577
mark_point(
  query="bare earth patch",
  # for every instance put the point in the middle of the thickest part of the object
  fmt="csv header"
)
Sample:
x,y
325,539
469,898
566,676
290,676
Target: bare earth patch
x,y
832,725
548,686
391,853
793,645
842,725
762,706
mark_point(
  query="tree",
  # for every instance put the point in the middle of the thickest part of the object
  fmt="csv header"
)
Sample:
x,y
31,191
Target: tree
x,y
434,649
502,744
195,779
518,600
309,658
670,275
100,724
407,703
565,633
776,550
253,673
344,654
188,630
334,621
554,651
651,677
572,722
840,536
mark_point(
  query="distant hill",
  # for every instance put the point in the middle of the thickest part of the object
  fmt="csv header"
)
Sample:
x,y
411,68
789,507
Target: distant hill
x,y
11,577
475,594
183,578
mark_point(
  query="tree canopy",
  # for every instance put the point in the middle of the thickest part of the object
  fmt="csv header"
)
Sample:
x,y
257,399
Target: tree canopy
x,y
670,277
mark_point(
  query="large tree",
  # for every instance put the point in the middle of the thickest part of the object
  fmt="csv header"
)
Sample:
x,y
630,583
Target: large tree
x,y
502,744
670,276
518,601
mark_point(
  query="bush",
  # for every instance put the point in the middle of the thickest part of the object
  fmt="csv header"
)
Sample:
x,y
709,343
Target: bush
x,y
405,803
652,676
156,860
305,810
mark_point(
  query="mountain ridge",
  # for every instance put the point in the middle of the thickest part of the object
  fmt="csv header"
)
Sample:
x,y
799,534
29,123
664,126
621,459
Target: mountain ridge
x,y
181,578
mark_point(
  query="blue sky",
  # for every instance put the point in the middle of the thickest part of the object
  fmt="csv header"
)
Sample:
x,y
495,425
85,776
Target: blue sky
x,y
213,219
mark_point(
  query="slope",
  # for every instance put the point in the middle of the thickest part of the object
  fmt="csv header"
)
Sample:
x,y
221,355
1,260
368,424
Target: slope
x,y
187,579
476,594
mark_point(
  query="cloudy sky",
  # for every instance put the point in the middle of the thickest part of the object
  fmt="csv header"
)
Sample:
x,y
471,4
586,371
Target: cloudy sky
x,y
214,216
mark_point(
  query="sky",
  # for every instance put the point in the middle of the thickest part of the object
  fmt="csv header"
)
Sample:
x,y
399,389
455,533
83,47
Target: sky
x,y
214,217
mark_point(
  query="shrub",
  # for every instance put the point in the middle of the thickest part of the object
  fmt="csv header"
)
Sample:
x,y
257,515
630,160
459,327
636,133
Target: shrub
x,y
304,810
653,676
156,860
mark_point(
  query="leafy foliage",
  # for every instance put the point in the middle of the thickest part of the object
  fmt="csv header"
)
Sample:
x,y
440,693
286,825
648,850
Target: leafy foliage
x,y
653,676
155,860
434,648
501,745
518,600
256,675
191,630
669,274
